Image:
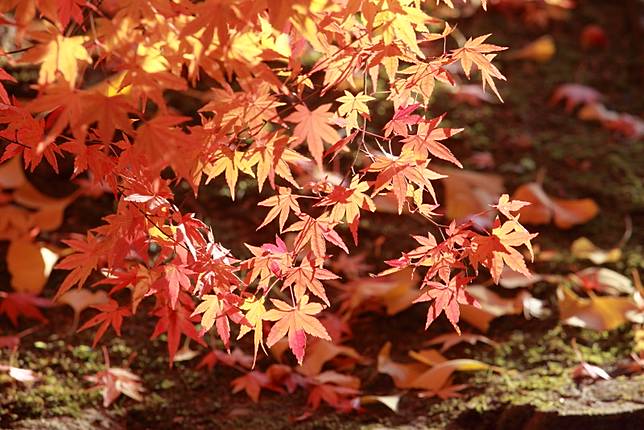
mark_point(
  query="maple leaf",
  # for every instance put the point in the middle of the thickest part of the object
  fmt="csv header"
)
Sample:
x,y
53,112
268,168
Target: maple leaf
x,y
336,389
351,106
313,126
315,232
575,94
510,234
449,340
268,261
252,383
233,359
307,277
4,76
25,136
272,157
176,322
296,321
476,52
347,202
217,311
19,304
402,119
19,374
446,298
400,172
255,316
66,106
115,381
426,141
176,278
323,351
507,206
70,9
82,262
230,163
60,55
421,80
282,204
585,370
401,23
110,315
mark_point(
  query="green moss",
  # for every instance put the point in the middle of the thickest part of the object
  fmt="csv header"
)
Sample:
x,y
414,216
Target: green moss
x,y
539,368
61,389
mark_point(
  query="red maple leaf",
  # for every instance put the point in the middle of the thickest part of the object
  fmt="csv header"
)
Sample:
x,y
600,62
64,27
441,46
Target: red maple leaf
x,y
446,297
110,315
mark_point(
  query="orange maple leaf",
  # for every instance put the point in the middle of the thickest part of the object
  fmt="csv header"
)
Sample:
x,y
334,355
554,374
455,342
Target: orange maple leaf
x,y
282,204
479,53
295,321
313,126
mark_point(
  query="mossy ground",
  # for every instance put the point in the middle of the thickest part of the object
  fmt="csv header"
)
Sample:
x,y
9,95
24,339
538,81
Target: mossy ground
x,y
536,372
578,159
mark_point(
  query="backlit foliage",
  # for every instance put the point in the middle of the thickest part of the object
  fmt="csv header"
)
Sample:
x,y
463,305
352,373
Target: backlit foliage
x,y
284,87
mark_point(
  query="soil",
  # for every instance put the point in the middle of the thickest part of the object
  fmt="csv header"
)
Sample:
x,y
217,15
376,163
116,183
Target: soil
x,y
528,138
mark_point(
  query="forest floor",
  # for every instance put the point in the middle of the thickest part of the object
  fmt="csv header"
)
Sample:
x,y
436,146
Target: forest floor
x,y
528,139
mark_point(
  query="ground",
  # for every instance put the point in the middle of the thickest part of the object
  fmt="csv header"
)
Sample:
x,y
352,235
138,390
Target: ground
x,y
527,138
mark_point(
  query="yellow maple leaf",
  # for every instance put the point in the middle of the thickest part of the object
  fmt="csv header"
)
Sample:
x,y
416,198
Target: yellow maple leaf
x,y
401,23
62,55
352,106
230,163
255,312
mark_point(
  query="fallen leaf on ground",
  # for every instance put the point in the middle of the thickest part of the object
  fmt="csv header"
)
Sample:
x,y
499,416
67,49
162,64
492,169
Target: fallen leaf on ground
x,y
336,389
22,375
430,357
540,50
437,377
9,342
468,195
236,357
595,312
492,306
389,401
322,351
583,248
395,292
629,125
512,279
565,213
602,280
575,94
252,383
593,36
116,381
585,370
403,374
185,353
474,95
451,339
482,160
422,375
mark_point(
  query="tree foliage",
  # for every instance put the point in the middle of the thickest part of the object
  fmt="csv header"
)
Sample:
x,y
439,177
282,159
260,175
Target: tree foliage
x,y
283,87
